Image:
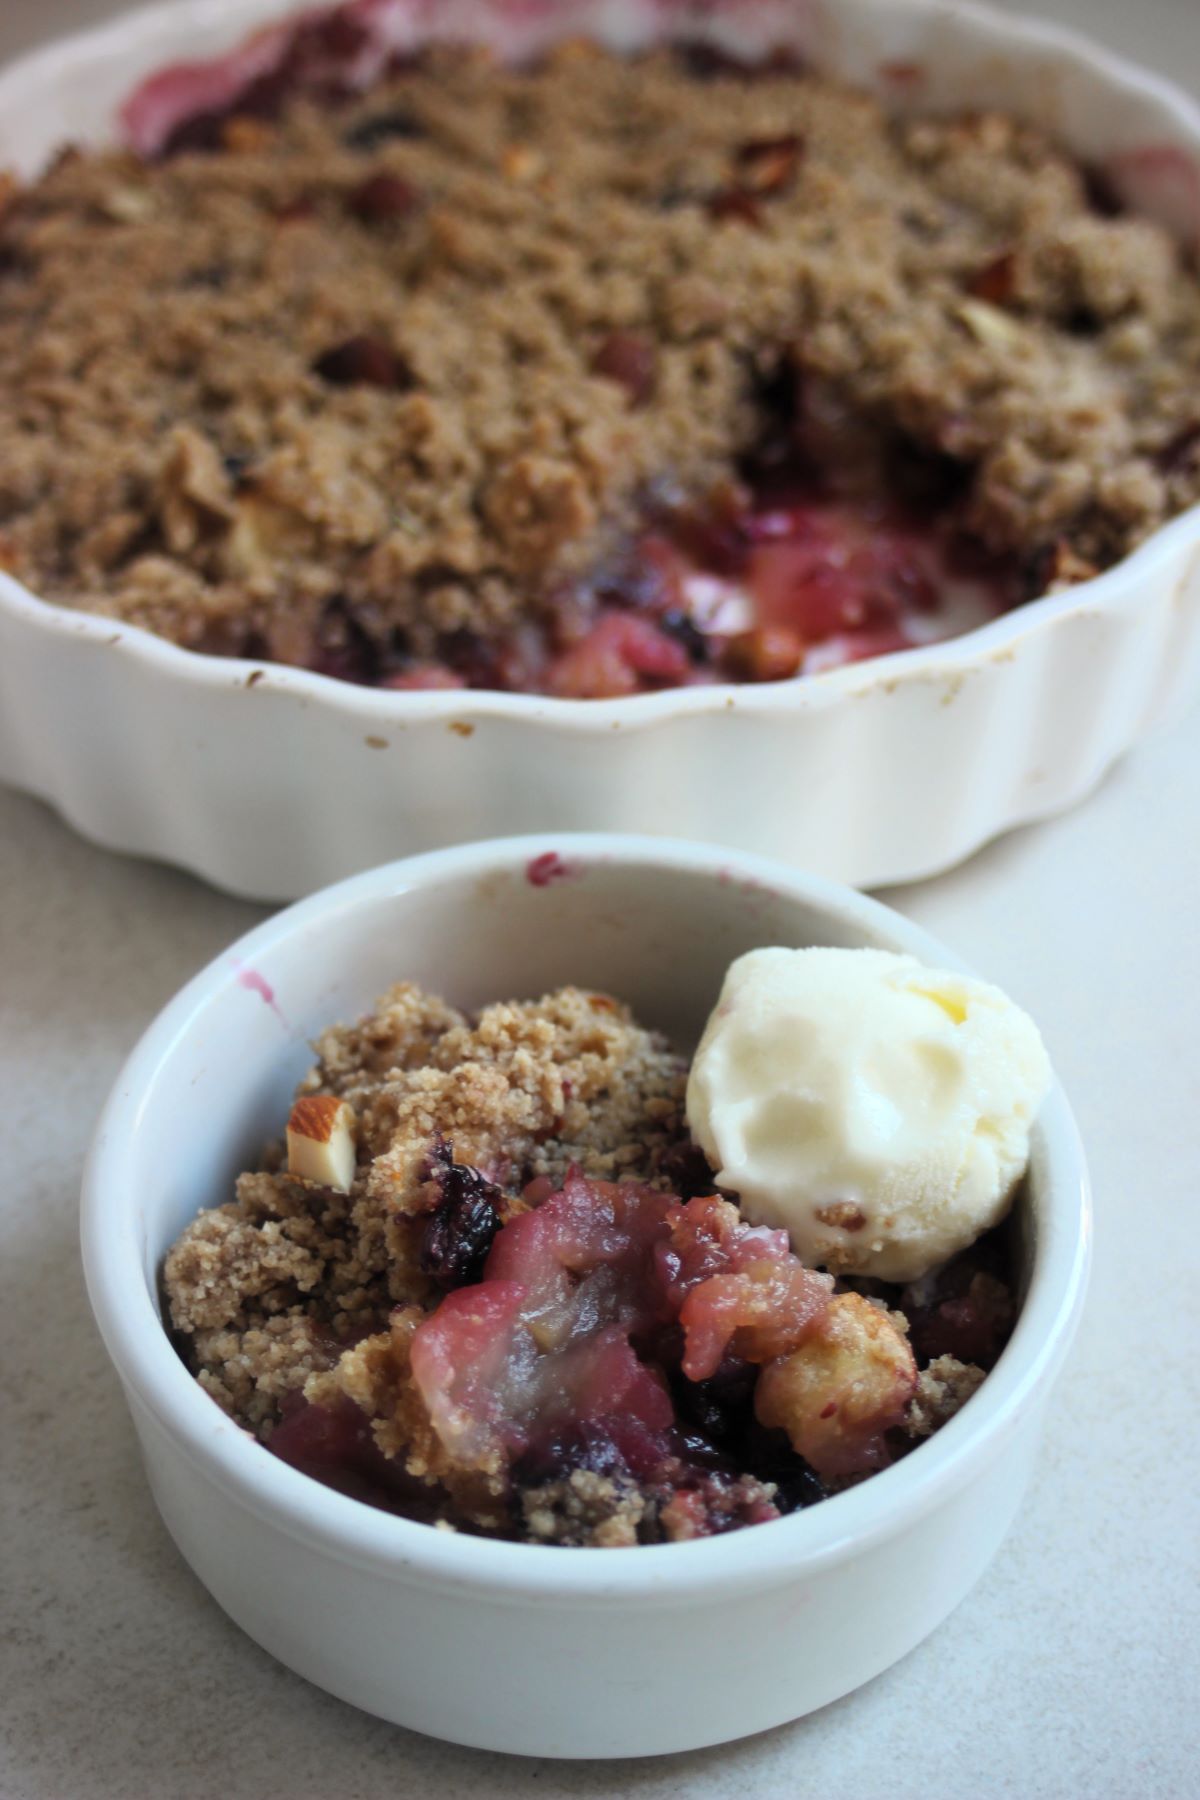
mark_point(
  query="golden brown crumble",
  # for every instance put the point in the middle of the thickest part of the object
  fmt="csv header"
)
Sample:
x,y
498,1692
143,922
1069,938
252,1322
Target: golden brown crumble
x,y
942,1389
525,1090
173,454
584,1508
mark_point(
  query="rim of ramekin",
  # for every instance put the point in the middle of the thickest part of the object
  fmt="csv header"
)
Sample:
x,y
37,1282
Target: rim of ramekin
x,y
951,656
398,1548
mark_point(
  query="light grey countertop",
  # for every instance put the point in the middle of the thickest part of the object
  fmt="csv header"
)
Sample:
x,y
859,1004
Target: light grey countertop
x,y
1072,1670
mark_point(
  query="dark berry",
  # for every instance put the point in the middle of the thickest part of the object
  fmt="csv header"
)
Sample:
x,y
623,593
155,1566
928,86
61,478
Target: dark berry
x,y
470,657
705,62
622,1448
362,362
587,1445
715,533
769,1456
683,628
381,128
734,204
459,1232
1181,450
343,649
1100,191
644,581
211,276
1083,321
383,197
684,1167
338,33
969,1313
235,467
720,1406
199,134
628,359
925,481
797,1487
296,211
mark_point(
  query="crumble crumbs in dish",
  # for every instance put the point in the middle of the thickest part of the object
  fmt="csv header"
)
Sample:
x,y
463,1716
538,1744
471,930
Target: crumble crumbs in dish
x,y
588,378
527,1312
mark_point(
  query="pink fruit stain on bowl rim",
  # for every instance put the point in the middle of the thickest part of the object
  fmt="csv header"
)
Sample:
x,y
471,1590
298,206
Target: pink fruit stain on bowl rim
x,y
757,893
256,983
541,871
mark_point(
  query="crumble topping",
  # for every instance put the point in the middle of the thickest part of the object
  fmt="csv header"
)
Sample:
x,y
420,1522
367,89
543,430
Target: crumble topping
x,y
584,1508
530,1315
250,1372
943,1388
526,1090
403,369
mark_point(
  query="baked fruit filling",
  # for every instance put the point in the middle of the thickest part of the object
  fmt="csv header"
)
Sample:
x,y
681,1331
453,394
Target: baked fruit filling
x,y
493,1283
587,377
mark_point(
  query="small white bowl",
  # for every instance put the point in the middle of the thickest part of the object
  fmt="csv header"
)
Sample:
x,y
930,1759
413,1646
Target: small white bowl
x,y
519,1647
880,772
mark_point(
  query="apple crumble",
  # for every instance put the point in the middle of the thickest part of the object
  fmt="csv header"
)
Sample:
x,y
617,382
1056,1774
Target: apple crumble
x,y
490,1283
585,377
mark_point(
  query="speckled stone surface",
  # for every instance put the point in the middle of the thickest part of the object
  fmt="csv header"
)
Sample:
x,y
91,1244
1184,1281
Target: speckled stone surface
x,y
1071,1671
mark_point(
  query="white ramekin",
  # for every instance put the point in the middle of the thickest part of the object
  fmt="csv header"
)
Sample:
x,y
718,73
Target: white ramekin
x,y
521,1647
270,781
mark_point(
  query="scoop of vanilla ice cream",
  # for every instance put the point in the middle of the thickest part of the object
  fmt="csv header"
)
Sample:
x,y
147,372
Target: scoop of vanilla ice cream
x,y
878,1110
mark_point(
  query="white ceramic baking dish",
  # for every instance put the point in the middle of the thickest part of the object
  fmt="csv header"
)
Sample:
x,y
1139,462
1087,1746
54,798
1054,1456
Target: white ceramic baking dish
x,y
519,1647
269,781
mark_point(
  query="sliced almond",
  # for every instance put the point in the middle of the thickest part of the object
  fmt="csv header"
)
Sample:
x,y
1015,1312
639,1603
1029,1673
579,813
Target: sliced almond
x,y
321,1135
988,325
264,529
128,205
